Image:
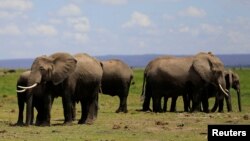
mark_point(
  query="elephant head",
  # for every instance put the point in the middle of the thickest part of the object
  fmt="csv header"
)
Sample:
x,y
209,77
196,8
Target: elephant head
x,y
233,81
54,68
211,70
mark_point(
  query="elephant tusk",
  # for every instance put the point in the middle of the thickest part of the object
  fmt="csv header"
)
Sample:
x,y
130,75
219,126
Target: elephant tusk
x,y
223,90
227,90
29,87
21,91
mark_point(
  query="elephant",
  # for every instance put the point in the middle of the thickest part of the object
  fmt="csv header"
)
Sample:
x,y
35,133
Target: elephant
x,y
116,80
232,81
74,78
146,97
21,99
172,76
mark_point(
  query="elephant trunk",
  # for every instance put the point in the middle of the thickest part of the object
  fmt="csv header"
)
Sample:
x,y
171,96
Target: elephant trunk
x,y
239,99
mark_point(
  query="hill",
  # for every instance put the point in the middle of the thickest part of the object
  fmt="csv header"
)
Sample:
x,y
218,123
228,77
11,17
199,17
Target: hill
x,y
232,60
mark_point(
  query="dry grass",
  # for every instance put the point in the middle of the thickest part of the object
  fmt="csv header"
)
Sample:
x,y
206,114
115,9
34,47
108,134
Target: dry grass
x,y
110,126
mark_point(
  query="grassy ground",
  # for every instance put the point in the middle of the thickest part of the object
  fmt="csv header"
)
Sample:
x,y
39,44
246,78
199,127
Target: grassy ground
x,y
110,126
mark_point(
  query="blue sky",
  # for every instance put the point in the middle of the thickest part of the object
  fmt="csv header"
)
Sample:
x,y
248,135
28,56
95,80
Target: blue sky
x,y
30,28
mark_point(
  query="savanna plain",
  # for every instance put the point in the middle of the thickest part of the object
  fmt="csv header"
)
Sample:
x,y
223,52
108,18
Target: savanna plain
x,y
111,126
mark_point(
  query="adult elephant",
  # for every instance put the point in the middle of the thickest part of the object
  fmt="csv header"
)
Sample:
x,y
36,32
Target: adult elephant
x,y
74,78
116,81
147,95
22,97
232,81
184,75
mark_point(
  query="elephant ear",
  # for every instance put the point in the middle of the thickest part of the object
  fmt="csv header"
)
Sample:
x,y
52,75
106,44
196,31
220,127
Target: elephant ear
x,y
208,66
64,65
202,66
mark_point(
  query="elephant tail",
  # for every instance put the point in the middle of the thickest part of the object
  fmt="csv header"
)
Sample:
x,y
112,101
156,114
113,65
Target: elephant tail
x,y
143,88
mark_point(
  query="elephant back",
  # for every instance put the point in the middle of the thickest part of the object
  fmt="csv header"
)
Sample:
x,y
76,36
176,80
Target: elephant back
x,y
88,66
117,68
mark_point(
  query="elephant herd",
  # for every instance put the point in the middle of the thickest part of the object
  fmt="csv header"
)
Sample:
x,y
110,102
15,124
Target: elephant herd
x,y
80,78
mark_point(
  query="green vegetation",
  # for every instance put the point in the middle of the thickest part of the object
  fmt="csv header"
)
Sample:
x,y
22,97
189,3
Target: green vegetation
x,y
110,126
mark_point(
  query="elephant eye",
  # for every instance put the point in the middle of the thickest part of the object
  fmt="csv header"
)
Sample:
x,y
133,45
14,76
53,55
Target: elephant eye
x,y
42,68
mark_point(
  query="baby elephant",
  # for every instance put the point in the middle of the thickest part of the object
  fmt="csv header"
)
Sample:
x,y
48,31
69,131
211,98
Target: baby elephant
x,y
116,80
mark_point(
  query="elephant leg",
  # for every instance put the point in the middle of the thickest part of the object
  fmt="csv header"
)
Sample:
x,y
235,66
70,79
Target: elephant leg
x,y
67,109
84,110
229,103
148,96
157,103
40,115
165,103
93,108
89,107
20,100
196,102
186,102
173,104
221,104
123,104
146,104
216,104
205,104
73,110
91,113
29,108
45,110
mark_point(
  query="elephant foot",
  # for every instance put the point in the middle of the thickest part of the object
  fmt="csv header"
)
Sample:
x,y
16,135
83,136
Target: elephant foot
x,y
206,111
121,110
19,123
146,109
81,121
158,111
42,123
171,110
213,110
221,111
66,123
88,121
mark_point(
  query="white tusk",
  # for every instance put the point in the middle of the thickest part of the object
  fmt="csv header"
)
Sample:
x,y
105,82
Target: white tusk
x,y
223,90
226,90
21,91
29,87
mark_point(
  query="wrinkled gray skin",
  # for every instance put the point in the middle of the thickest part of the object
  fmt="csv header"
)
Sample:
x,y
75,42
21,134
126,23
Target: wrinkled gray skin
x,y
173,94
116,81
74,78
171,76
22,97
232,81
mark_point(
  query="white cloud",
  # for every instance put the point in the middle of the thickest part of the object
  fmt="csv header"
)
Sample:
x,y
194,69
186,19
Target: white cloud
x,y
138,19
114,2
69,10
211,29
46,30
80,24
184,29
10,30
21,5
78,37
193,12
